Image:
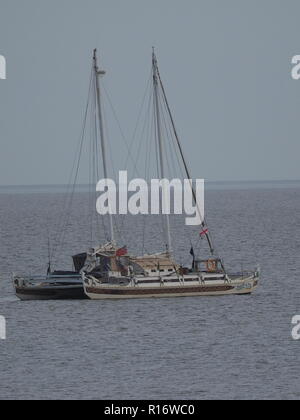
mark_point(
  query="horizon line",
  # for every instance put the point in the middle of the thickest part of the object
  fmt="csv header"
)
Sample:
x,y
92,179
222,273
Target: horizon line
x,y
206,181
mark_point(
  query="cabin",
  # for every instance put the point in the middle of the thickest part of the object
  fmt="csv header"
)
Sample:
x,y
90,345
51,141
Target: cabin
x,y
211,265
146,265
154,265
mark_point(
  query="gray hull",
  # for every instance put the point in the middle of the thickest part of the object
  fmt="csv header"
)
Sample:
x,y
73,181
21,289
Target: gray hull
x,y
51,293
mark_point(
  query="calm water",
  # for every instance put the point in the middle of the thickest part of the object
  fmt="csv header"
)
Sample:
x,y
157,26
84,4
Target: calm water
x,y
191,348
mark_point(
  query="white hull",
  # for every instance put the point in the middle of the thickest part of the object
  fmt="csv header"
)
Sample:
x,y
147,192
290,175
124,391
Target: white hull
x,y
238,286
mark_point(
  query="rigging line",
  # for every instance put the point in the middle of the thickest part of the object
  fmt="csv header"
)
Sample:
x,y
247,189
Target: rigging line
x,y
94,220
116,221
179,161
107,131
181,153
171,160
89,211
66,197
97,158
91,143
152,144
116,118
68,214
204,224
97,134
138,120
143,132
136,160
146,121
92,209
97,176
173,150
165,235
150,137
173,145
149,143
173,153
170,134
113,169
79,151
165,133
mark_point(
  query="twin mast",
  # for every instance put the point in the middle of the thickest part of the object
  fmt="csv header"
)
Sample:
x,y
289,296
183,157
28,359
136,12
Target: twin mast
x,y
157,83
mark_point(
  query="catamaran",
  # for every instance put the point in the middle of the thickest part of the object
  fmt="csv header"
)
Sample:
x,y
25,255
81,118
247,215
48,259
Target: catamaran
x,y
59,284
119,274
54,284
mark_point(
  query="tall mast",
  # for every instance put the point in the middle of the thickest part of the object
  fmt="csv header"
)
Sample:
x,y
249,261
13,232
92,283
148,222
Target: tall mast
x,y
160,144
207,234
98,74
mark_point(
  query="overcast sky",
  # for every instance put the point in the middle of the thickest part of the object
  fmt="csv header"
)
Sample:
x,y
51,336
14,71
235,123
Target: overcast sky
x,y
226,66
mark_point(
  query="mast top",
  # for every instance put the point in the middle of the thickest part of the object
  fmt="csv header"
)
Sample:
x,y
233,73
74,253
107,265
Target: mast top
x,y
155,67
99,72
154,59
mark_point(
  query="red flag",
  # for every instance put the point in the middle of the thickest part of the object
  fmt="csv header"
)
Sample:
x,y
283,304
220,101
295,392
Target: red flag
x,y
204,232
122,251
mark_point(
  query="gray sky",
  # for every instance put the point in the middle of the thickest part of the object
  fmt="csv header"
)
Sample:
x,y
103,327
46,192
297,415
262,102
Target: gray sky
x,y
225,64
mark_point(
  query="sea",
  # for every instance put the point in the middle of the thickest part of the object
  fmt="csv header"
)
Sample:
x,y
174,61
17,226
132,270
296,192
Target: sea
x,y
232,347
